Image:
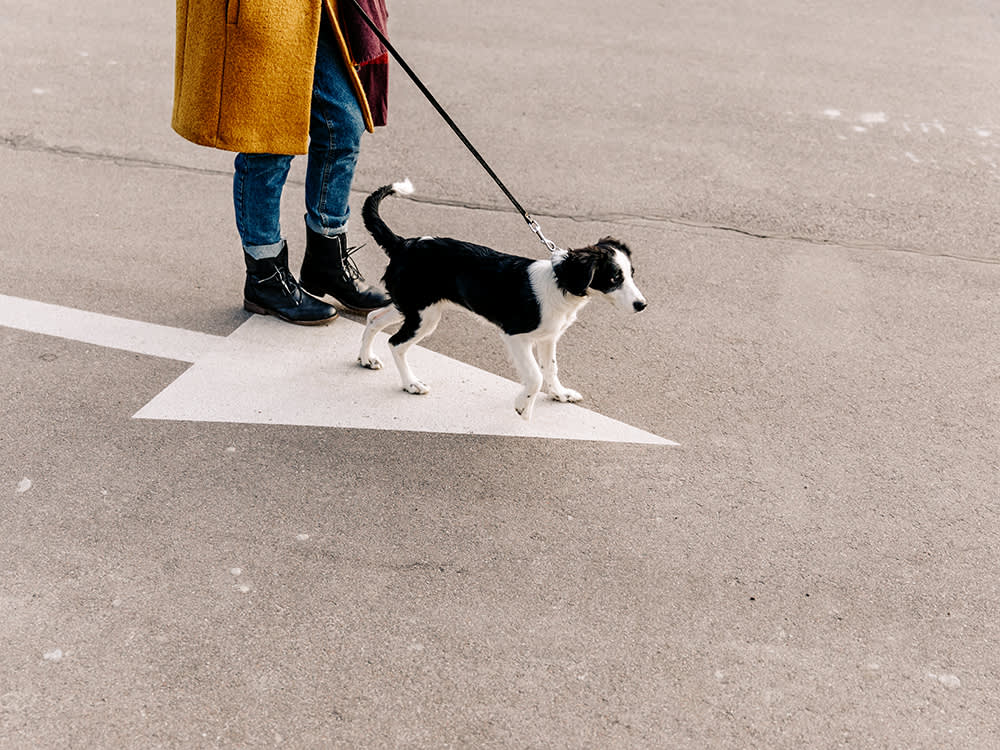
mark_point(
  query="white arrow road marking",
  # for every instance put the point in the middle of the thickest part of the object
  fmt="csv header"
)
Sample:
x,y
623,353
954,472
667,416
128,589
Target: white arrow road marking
x,y
270,372
106,330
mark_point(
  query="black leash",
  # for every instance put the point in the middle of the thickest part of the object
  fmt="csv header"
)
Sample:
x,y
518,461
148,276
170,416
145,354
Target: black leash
x,y
532,224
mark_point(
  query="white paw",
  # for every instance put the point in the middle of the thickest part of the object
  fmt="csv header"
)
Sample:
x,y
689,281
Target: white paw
x,y
371,363
523,405
417,388
566,395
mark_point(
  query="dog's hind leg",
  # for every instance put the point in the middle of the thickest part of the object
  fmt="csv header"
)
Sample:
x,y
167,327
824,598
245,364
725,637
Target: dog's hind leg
x,y
520,348
550,372
415,329
378,320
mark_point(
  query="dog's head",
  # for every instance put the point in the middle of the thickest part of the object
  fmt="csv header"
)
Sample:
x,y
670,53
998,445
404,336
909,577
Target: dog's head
x,y
605,268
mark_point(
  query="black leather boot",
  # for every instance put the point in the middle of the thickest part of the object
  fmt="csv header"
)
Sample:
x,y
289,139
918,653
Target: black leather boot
x,y
272,290
328,268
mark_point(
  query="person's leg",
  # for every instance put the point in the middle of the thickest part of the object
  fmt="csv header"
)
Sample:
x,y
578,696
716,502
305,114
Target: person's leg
x,y
335,132
258,180
270,288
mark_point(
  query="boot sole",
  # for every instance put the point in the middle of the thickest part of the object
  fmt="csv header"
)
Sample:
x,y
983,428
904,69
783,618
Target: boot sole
x,y
258,310
318,293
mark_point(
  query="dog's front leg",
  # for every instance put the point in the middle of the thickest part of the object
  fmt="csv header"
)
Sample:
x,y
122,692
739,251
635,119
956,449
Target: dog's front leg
x,y
550,372
520,349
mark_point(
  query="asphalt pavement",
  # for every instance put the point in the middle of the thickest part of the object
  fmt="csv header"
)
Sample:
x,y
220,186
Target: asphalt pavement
x,y
782,531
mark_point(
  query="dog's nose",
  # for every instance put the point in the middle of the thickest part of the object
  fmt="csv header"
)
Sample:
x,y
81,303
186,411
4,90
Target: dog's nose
x,y
639,305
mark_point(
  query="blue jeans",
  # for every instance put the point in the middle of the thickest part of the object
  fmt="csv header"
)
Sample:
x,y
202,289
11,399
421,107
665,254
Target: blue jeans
x,y
335,129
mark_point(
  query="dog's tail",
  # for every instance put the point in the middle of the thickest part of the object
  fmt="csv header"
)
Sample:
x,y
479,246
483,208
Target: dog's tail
x,y
385,237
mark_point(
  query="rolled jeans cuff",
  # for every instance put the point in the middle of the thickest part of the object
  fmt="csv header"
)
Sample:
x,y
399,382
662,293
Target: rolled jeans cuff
x,y
317,228
259,252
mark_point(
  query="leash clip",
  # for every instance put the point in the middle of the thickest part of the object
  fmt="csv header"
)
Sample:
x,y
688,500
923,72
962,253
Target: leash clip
x,y
533,226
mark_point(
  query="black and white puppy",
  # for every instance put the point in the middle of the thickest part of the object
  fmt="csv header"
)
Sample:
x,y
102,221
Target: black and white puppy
x,y
533,302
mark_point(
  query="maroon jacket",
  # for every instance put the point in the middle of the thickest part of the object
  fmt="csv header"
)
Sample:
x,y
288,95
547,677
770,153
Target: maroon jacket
x,y
371,57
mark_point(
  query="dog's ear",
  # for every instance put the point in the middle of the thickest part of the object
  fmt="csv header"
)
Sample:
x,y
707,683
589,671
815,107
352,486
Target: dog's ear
x,y
576,271
615,244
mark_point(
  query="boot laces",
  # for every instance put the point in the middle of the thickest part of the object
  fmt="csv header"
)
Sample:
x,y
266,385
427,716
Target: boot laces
x,y
349,265
284,277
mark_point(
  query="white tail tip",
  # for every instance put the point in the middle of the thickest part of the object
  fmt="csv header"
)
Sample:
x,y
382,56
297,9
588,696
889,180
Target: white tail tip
x,y
403,188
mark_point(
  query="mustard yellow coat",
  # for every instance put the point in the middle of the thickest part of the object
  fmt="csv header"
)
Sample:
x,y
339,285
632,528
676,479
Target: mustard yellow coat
x,y
243,72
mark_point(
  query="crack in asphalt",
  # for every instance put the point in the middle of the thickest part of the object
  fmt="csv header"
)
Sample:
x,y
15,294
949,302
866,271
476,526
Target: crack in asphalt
x,y
20,142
